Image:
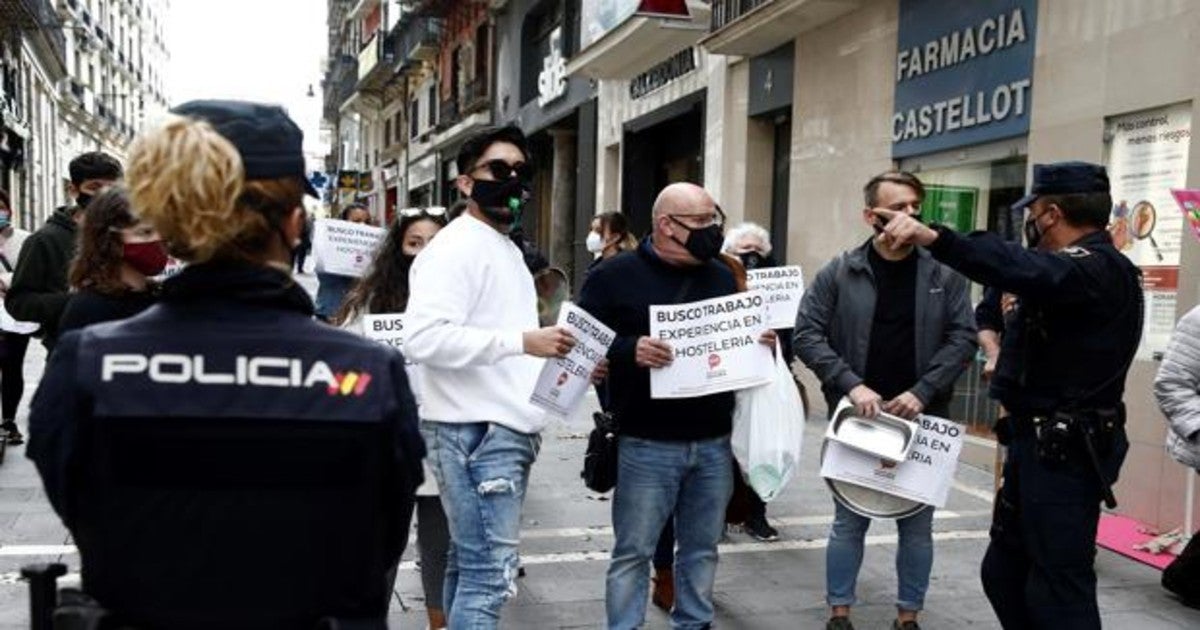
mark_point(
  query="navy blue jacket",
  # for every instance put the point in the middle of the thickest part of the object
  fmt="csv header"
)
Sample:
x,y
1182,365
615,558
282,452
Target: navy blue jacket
x,y
1077,321
620,293
222,460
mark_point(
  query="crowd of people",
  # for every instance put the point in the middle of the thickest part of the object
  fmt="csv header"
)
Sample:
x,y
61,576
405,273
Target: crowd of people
x,y
186,409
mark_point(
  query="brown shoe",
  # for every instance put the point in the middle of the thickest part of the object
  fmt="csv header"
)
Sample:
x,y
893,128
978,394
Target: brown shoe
x,y
437,618
664,589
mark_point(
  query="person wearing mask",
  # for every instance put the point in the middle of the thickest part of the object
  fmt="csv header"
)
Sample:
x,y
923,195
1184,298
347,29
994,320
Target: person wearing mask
x,y
472,327
1060,376
675,458
205,419
384,289
889,327
332,287
14,335
609,236
39,288
113,272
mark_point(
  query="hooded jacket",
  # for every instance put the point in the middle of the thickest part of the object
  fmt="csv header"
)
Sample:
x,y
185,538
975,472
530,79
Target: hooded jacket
x,y
39,290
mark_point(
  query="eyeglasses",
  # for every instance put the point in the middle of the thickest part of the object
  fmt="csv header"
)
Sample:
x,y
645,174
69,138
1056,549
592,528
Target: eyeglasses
x,y
432,211
502,170
717,219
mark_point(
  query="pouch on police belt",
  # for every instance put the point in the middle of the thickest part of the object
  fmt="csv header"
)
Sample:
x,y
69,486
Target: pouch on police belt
x,y
1056,432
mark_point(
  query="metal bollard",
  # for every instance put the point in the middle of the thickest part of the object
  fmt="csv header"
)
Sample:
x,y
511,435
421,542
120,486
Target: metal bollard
x,y
43,592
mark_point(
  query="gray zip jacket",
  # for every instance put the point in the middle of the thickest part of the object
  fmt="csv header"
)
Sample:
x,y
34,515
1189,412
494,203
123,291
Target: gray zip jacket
x,y
1177,388
833,327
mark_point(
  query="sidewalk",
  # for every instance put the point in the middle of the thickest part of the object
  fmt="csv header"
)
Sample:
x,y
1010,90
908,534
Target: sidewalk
x,y
566,541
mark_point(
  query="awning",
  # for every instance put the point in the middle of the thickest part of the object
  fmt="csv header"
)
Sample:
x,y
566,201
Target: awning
x,y
638,43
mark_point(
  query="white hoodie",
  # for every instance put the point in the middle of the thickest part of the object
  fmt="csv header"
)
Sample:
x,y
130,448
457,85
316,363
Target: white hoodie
x,y
471,300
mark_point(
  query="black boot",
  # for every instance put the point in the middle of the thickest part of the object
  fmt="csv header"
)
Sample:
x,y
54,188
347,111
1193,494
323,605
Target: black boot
x,y
12,434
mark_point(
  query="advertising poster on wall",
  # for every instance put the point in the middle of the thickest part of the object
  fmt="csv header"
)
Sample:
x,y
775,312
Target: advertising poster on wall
x,y
1147,156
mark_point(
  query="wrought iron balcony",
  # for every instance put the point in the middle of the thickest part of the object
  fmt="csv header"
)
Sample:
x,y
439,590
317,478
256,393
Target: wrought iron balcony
x,y
419,40
448,113
725,12
475,96
39,15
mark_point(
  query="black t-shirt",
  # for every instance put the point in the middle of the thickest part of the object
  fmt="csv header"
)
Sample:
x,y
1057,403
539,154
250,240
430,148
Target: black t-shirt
x,y
891,363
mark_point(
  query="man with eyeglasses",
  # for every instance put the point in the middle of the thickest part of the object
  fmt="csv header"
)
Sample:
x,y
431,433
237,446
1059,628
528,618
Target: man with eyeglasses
x,y
891,328
674,454
472,325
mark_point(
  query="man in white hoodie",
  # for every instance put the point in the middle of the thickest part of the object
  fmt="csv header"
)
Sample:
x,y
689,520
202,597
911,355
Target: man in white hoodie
x,y
472,325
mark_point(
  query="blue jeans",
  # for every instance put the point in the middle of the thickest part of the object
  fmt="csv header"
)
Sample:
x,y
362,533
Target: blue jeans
x,y
656,480
914,557
482,470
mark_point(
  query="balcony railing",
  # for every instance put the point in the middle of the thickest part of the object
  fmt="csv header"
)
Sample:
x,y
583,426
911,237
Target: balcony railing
x,y
448,113
726,12
419,39
42,16
475,96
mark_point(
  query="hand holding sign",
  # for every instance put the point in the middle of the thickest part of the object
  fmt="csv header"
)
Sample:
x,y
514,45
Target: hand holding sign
x,y
652,353
549,342
564,379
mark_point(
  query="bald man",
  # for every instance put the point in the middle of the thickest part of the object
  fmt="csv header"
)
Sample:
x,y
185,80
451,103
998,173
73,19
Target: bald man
x,y
675,458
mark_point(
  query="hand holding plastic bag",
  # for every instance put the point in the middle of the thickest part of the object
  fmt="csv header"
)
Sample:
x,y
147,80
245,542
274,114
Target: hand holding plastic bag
x,y
768,430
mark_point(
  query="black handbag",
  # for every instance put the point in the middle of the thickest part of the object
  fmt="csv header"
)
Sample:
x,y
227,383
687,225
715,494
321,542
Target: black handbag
x,y
600,461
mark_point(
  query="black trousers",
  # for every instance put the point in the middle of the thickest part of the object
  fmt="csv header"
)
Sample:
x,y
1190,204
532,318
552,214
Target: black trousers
x,y
12,373
1039,570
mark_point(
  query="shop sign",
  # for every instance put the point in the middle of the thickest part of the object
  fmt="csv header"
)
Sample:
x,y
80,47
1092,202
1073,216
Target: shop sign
x,y
678,65
390,173
422,172
366,183
552,80
952,206
347,180
963,73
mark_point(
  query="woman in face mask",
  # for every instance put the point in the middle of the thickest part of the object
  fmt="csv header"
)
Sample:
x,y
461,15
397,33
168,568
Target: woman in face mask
x,y
609,236
384,289
118,257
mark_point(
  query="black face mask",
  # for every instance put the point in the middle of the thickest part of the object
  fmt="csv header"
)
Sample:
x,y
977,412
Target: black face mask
x,y
702,243
752,260
83,199
1033,233
407,260
501,201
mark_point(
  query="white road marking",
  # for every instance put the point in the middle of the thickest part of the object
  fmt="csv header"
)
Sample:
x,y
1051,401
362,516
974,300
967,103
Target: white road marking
x,y
14,577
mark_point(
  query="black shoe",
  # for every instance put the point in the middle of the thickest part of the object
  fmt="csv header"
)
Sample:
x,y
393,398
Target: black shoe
x,y
907,625
760,529
839,623
12,433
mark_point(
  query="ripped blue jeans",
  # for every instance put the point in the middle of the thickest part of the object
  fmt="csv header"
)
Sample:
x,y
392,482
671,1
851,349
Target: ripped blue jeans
x,y
482,470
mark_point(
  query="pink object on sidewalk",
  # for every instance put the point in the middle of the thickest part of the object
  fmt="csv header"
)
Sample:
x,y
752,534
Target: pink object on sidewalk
x,y
1121,533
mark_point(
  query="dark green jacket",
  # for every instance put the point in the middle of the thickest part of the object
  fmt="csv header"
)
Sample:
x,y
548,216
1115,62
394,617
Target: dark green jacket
x,y
39,288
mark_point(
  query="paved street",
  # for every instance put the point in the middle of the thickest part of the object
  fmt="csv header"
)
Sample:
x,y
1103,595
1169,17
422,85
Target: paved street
x,y
566,541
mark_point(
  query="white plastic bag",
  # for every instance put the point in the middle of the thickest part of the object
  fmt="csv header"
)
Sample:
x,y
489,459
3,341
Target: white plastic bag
x,y
768,429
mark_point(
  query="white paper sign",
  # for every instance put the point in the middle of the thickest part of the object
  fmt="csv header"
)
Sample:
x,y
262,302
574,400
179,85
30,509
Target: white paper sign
x,y
345,248
563,382
387,329
925,477
715,343
783,287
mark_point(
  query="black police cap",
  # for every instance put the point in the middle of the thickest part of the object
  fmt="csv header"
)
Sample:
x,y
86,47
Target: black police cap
x,y
270,143
1065,178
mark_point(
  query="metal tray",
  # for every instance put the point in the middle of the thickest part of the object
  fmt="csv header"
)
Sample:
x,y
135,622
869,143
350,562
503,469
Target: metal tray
x,y
867,501
885,436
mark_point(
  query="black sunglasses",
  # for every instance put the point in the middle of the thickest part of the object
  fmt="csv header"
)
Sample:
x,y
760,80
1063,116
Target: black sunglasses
x,y
502,170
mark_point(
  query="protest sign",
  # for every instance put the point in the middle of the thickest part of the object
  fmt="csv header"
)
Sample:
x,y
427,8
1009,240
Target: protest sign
x,y
782,287
715,345
387,329
925,477
563,382
345,248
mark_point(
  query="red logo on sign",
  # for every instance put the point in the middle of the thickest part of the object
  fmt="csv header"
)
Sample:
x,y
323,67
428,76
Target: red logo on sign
x,y
714,360
562,378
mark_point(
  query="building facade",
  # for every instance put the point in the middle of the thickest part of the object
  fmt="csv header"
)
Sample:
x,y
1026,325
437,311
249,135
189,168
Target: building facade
x,y
804,101
77,76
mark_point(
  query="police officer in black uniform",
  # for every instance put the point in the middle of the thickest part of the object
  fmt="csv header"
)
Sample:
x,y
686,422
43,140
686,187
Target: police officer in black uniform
x,y
1061,376
222,460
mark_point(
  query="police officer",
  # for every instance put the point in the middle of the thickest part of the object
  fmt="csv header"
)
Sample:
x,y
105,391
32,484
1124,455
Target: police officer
x,y
222,460
1061,376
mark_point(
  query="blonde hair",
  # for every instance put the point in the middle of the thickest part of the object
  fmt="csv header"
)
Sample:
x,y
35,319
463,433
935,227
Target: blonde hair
x,y
188,181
